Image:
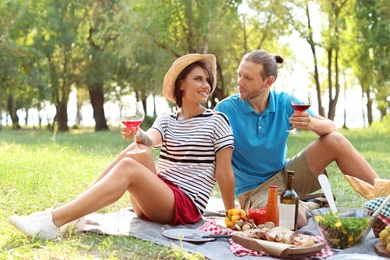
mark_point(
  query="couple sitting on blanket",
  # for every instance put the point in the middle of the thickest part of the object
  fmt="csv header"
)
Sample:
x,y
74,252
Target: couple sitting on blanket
x,y
198,144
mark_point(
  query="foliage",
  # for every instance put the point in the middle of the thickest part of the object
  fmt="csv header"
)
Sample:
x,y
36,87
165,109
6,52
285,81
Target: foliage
x,y
115,48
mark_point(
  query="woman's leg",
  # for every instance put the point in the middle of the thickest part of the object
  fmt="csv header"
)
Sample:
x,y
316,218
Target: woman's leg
x,y
137,175
122,155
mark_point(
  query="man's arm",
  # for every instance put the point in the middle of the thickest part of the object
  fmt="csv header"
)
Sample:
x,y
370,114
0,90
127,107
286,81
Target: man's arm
x,y
318,124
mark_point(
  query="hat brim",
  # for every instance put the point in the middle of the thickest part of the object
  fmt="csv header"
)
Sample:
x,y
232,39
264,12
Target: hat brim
x,y
180,64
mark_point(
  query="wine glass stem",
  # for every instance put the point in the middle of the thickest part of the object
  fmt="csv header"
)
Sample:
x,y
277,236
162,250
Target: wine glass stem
x,y
136,149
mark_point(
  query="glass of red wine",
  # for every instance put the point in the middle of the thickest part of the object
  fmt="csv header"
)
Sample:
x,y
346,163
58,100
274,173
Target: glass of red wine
x,y
132,114
300,100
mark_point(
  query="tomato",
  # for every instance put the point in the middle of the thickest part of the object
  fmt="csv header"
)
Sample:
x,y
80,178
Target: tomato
x,y
257,214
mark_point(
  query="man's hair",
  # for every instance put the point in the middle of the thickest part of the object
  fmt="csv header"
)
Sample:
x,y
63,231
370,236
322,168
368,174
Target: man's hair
x,y
269,62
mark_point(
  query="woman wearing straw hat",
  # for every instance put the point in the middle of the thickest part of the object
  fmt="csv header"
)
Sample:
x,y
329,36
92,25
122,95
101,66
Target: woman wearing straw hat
x,y
195,144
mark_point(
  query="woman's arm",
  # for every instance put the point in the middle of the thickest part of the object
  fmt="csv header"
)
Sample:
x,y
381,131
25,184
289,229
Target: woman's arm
x,y
225,176
151,138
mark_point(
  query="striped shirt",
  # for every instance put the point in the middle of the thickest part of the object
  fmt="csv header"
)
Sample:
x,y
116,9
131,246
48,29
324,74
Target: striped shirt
x,y
187,156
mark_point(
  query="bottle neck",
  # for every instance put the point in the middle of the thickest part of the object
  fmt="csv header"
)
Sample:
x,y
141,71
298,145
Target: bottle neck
x,y
272,195
290,181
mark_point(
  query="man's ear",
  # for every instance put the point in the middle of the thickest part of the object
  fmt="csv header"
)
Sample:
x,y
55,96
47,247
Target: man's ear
x,y
270,81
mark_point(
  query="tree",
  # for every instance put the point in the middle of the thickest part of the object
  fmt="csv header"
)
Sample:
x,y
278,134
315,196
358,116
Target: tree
x,y
371,20
55,37
182,27
101,26
20,78
332,40
306,31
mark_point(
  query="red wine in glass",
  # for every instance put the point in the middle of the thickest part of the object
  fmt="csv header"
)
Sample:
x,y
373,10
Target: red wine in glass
x,y
132,115
132,123
300,108
300,100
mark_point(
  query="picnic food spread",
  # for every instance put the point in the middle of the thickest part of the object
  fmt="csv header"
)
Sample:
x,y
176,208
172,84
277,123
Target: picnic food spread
x,y
258,215
384,237
278,241
344,228
279,234
233,215
236,219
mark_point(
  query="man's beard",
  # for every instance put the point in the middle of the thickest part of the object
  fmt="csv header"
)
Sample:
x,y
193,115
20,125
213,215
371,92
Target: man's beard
x,y
253,94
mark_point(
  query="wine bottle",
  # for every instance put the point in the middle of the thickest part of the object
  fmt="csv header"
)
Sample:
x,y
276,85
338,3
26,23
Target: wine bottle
x,y
272,208
289,202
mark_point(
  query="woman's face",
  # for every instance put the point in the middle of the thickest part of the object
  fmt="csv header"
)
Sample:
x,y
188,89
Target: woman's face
x,y
196,87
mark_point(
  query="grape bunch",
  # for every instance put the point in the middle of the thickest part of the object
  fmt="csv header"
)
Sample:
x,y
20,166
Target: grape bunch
x,y
384,237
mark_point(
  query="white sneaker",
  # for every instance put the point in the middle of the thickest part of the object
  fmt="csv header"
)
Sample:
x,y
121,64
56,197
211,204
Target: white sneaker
x,y
78,223
39,224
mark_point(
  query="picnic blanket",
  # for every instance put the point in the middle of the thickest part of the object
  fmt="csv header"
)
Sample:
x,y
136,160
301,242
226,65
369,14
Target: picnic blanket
x,y
125,223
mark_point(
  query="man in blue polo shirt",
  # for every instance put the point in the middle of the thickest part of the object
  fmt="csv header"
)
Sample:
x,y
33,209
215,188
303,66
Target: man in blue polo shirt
x,y
259,117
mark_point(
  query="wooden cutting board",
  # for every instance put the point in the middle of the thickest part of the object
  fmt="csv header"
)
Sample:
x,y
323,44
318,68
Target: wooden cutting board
x,y
381,250
276,249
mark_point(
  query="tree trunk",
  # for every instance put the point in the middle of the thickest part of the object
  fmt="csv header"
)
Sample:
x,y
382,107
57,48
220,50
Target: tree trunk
x,y
330,82
62,117
97,100
363,114
12,112
1,110
333,104
369,106
79,117
312,44
218,93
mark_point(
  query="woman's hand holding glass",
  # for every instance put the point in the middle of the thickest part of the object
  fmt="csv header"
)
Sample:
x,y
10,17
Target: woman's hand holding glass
x,y
132,116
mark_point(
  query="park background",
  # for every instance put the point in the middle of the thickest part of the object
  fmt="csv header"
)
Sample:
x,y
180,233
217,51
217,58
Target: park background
x,y
73,61
81,57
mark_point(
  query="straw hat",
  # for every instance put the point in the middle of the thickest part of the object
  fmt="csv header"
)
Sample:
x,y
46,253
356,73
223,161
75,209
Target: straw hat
x,y
179,65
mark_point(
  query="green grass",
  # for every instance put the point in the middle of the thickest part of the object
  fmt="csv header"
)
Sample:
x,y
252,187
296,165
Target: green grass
x,y
38,171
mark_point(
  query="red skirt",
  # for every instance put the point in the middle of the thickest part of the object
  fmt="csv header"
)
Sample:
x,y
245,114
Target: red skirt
x,y
185,210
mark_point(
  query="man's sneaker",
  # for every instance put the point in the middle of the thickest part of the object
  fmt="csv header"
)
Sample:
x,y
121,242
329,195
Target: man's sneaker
x,y
39,224
78,223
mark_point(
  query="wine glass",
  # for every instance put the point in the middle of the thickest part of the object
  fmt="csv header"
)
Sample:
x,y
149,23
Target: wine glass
x,y
132,115
300,100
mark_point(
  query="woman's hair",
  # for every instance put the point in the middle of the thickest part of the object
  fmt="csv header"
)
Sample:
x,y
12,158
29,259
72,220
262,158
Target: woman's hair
x,y
178,93
269,62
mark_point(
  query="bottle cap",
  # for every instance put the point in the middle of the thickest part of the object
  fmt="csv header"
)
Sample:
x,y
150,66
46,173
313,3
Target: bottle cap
x,y
273,186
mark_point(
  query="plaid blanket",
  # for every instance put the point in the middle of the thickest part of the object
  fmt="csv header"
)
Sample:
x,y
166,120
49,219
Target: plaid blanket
x,y
374,204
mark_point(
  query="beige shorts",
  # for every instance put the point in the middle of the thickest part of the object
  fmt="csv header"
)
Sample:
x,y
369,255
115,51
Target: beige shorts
x,y
304,183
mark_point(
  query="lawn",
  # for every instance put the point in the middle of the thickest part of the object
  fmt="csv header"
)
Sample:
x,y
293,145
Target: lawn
x,y
40,170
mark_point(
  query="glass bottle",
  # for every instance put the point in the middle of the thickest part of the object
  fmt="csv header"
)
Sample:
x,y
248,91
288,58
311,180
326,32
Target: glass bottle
x,y
289,203
272,207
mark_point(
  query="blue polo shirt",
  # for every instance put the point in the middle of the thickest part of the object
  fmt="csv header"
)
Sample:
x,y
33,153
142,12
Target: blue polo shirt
x,y
260,140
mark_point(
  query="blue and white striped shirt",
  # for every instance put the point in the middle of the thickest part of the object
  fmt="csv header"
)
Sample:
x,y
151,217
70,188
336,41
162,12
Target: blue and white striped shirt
x,y
189,147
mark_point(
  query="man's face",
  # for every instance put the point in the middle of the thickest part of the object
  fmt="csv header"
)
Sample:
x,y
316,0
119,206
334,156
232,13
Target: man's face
x,y
250,84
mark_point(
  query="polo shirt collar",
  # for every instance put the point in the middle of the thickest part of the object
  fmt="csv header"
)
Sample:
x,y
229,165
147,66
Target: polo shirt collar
x,y
247,108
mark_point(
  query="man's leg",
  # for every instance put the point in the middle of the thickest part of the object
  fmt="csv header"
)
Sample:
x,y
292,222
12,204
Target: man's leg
x,y
334,147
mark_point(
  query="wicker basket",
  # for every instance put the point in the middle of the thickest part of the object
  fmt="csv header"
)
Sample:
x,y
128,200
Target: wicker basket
x,y
378,226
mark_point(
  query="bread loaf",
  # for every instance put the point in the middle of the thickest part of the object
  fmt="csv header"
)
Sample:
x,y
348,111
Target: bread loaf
x,y
363,188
